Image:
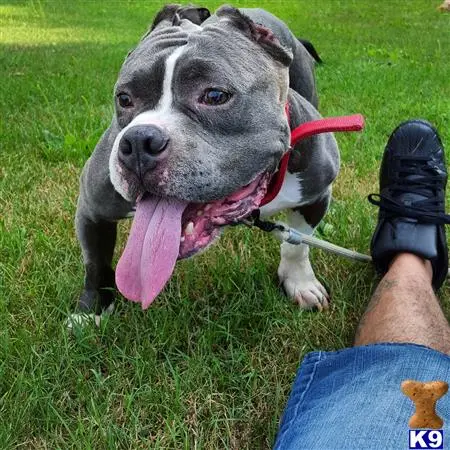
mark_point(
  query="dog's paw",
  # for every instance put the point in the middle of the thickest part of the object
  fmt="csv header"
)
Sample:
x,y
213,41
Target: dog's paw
x,y
301,285
82,319
308,293
298,280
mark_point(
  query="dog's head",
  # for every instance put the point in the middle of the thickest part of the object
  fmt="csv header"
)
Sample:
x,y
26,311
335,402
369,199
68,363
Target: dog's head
x,y
200,114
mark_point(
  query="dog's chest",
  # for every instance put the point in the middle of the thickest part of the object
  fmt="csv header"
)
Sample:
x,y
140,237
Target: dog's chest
x,y
290,196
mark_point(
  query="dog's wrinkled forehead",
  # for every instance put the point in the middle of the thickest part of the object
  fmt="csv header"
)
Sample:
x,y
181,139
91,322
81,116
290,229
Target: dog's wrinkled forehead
x,y
218,46
144,67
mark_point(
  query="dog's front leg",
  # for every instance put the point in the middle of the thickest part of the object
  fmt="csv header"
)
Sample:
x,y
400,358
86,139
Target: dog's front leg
x,y
295,272
97,240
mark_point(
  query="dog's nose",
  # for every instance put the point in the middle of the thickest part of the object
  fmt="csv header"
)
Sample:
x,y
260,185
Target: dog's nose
x,y
142,146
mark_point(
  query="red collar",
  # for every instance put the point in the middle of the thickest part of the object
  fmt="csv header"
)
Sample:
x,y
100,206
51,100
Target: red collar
x,y
303,131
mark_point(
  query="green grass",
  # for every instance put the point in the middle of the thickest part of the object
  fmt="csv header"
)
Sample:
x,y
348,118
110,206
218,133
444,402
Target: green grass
x,y
210,364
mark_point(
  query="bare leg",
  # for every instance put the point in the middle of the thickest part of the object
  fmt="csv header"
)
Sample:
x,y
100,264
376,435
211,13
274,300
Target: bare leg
x,y
404,308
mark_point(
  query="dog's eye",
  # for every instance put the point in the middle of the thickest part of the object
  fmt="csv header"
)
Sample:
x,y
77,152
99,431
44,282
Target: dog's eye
x,y
214,97
124,100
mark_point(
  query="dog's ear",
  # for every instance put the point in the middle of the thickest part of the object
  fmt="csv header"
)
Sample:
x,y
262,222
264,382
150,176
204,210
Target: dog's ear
x,y
174,13
168,12
259,34
194,14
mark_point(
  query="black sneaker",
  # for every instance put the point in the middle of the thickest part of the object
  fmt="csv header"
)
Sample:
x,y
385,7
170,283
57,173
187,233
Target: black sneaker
x,y
412,215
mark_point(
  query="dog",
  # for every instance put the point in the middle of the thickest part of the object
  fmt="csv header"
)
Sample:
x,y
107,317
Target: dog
x,y
200,125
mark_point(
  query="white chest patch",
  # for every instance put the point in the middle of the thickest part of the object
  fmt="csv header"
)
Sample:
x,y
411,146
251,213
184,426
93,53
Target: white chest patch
x,y
290,196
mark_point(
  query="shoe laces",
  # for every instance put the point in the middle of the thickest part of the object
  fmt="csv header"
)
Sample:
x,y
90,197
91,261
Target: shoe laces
x,y
413,175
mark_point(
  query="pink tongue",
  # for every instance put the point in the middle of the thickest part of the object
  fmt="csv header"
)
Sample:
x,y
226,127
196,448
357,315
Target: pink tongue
x,y
152,249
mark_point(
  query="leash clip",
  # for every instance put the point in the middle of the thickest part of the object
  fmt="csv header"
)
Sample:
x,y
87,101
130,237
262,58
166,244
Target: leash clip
x,y
253,220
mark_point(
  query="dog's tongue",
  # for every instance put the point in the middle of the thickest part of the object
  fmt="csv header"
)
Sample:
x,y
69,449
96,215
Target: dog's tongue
x,y
152,249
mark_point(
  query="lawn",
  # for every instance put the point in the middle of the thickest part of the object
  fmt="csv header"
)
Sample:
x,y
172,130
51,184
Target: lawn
x,y
210,364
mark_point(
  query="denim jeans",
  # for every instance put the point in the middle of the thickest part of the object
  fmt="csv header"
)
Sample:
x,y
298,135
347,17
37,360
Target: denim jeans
x,y
351,398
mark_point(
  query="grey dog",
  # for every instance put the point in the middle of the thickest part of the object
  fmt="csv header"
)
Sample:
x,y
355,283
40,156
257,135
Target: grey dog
x,y
200,125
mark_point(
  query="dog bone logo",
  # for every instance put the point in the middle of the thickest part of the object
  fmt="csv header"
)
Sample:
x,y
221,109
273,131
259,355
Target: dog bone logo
x,y
424,397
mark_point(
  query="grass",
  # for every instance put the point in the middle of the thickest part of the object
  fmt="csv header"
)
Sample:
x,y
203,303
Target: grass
x,y
211,363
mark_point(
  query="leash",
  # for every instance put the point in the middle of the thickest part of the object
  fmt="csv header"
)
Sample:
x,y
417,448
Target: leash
x,y
290,235
280,230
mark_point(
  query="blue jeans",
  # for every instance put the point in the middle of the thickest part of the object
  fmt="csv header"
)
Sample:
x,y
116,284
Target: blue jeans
x,y
351,398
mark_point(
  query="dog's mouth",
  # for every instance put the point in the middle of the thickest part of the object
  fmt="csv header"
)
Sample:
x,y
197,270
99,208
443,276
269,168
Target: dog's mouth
x,y
167,229
202,222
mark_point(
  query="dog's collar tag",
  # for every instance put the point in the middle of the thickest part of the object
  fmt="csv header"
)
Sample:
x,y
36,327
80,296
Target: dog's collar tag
x,y
306,130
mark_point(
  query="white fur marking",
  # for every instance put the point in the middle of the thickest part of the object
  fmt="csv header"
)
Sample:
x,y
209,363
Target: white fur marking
x,y
297,221
191,27
296,273
79,320
163,115
290,196
82,319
